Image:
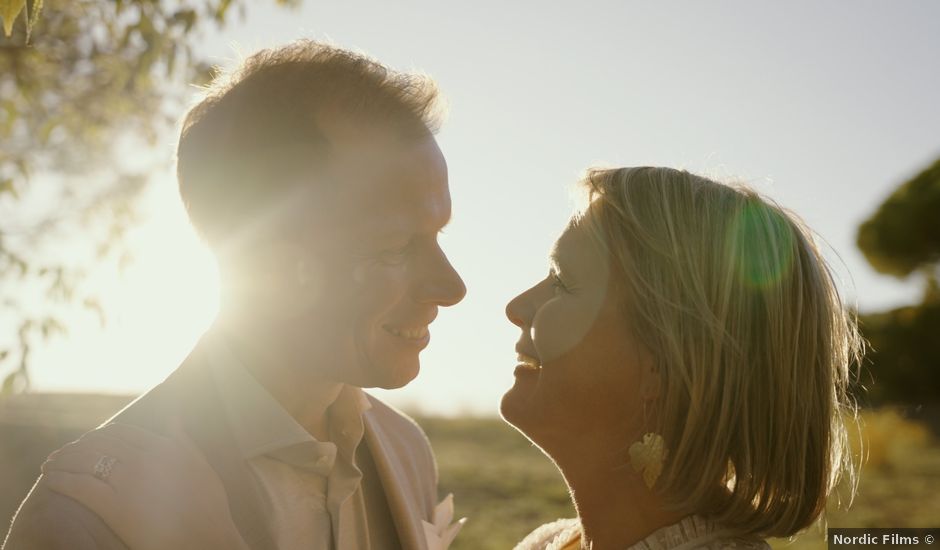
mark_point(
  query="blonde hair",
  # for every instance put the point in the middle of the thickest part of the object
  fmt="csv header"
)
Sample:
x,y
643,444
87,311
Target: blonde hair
x,y
749,337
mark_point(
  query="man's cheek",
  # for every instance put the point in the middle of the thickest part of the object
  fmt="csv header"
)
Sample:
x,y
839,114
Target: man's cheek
x,y
380,287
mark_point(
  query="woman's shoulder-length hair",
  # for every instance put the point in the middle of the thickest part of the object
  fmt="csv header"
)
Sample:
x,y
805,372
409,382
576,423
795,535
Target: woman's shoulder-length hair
x,y
752,342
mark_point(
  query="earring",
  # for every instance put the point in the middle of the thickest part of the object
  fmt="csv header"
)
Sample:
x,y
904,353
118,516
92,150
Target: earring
x,y
648,457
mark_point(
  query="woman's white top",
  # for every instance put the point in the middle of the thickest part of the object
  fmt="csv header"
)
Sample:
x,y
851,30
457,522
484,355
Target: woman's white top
x,y
690,532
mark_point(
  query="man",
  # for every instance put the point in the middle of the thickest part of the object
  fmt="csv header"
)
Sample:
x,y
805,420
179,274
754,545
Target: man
x,y
314,176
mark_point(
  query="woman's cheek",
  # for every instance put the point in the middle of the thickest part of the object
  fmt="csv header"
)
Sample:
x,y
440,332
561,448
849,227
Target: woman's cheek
x,y
558,327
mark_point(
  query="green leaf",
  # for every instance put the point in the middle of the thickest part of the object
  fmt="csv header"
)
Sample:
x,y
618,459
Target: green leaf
x,y
8,383
33,17
186,17
50,327
171,61
6,186
220,10
9,10
94,305
22,266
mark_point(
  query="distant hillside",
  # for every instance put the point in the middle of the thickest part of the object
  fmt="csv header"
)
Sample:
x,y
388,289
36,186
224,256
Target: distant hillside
x,y
501,482
69,410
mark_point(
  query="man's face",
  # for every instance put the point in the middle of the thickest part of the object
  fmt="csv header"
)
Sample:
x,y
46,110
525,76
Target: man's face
x,y
373,273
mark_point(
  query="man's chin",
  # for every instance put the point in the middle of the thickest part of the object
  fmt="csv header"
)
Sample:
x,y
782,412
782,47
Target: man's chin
x,y
392,378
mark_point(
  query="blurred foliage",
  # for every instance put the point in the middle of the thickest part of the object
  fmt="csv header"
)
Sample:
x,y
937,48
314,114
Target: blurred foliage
x,y
81,83
903,235
897,484
902,238
902,365
886,438
11,9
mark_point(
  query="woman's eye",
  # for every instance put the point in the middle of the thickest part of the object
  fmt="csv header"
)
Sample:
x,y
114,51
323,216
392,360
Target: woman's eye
x,y
557,283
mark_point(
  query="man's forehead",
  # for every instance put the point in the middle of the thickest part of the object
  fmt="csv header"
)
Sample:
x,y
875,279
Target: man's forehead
x,y
364,159
364,139
380,186
405,211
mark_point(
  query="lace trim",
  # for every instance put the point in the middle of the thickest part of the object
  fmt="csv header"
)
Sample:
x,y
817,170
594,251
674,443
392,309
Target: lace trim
x,y
690,532
696,532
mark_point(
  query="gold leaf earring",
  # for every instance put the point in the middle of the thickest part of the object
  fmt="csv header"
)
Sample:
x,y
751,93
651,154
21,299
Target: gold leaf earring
x,y
647,456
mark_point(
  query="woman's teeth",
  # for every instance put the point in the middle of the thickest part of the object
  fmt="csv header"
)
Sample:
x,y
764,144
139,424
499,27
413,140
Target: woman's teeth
x,y
528,362
409,333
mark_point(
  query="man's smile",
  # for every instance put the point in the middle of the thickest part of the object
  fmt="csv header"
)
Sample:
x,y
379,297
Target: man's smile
x,y
414,334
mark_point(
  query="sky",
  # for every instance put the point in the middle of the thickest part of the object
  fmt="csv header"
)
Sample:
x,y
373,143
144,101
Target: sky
x,y
823,106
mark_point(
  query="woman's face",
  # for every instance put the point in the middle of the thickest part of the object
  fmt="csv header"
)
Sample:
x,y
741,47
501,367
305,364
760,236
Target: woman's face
x,y
581,374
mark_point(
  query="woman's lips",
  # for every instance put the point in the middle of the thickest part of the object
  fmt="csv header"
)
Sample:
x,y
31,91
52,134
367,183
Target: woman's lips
x,y
527,364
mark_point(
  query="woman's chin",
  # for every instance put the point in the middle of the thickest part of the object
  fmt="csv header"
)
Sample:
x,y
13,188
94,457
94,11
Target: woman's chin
x,y
515,407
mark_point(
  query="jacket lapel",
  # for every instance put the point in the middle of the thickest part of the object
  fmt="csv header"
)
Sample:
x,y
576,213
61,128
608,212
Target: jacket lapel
x,y
401,496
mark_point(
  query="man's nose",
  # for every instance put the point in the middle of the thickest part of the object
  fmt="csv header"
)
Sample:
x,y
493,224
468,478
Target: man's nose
x,y
444,287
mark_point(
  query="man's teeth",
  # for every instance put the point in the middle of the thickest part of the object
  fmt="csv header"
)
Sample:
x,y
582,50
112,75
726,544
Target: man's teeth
x,y
528,361
409,333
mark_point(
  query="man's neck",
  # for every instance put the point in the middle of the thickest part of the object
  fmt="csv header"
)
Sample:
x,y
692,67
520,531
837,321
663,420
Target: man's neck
x,y
308,402
305,396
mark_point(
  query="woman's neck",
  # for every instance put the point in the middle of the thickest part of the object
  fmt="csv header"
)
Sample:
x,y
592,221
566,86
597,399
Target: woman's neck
x,y
615,508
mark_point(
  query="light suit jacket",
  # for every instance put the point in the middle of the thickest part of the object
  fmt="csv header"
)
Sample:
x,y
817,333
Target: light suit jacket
x,y
402,455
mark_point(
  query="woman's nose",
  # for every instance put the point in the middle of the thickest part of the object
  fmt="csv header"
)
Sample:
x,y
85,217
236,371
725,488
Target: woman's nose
x,y
515,311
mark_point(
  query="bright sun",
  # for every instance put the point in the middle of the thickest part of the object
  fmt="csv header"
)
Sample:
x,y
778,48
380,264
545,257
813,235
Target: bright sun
x,y
156,308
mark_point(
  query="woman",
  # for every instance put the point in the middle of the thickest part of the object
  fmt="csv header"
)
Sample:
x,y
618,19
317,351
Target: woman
x,y
684,364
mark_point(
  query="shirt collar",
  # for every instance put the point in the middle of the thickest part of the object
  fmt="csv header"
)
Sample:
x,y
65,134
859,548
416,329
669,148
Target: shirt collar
x,y
261,426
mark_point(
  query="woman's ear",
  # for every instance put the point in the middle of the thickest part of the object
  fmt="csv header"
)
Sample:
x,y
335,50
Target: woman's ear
x,y
651,382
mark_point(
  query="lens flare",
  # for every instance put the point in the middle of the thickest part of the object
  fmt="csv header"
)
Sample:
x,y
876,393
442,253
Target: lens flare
x,y
762,244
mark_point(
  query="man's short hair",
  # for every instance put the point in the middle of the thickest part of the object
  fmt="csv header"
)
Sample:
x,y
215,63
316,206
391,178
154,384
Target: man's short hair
x,y
252,136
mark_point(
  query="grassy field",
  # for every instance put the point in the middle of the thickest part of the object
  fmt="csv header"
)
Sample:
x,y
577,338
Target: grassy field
x,y
506,487
503,484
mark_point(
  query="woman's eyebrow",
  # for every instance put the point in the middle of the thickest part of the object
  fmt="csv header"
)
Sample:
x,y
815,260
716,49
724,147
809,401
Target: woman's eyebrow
x,y
555,261
559,255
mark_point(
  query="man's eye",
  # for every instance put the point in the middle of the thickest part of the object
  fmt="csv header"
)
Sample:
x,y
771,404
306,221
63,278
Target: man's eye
x,y
394,256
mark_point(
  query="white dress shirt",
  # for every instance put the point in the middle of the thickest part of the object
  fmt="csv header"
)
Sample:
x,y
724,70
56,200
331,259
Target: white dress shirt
x,y
314,493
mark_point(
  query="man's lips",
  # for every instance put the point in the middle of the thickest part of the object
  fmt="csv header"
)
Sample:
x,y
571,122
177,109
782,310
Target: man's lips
x,y
415,334
414,330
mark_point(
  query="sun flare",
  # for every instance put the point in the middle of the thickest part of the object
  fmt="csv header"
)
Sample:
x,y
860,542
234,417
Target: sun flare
x,y
156,308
